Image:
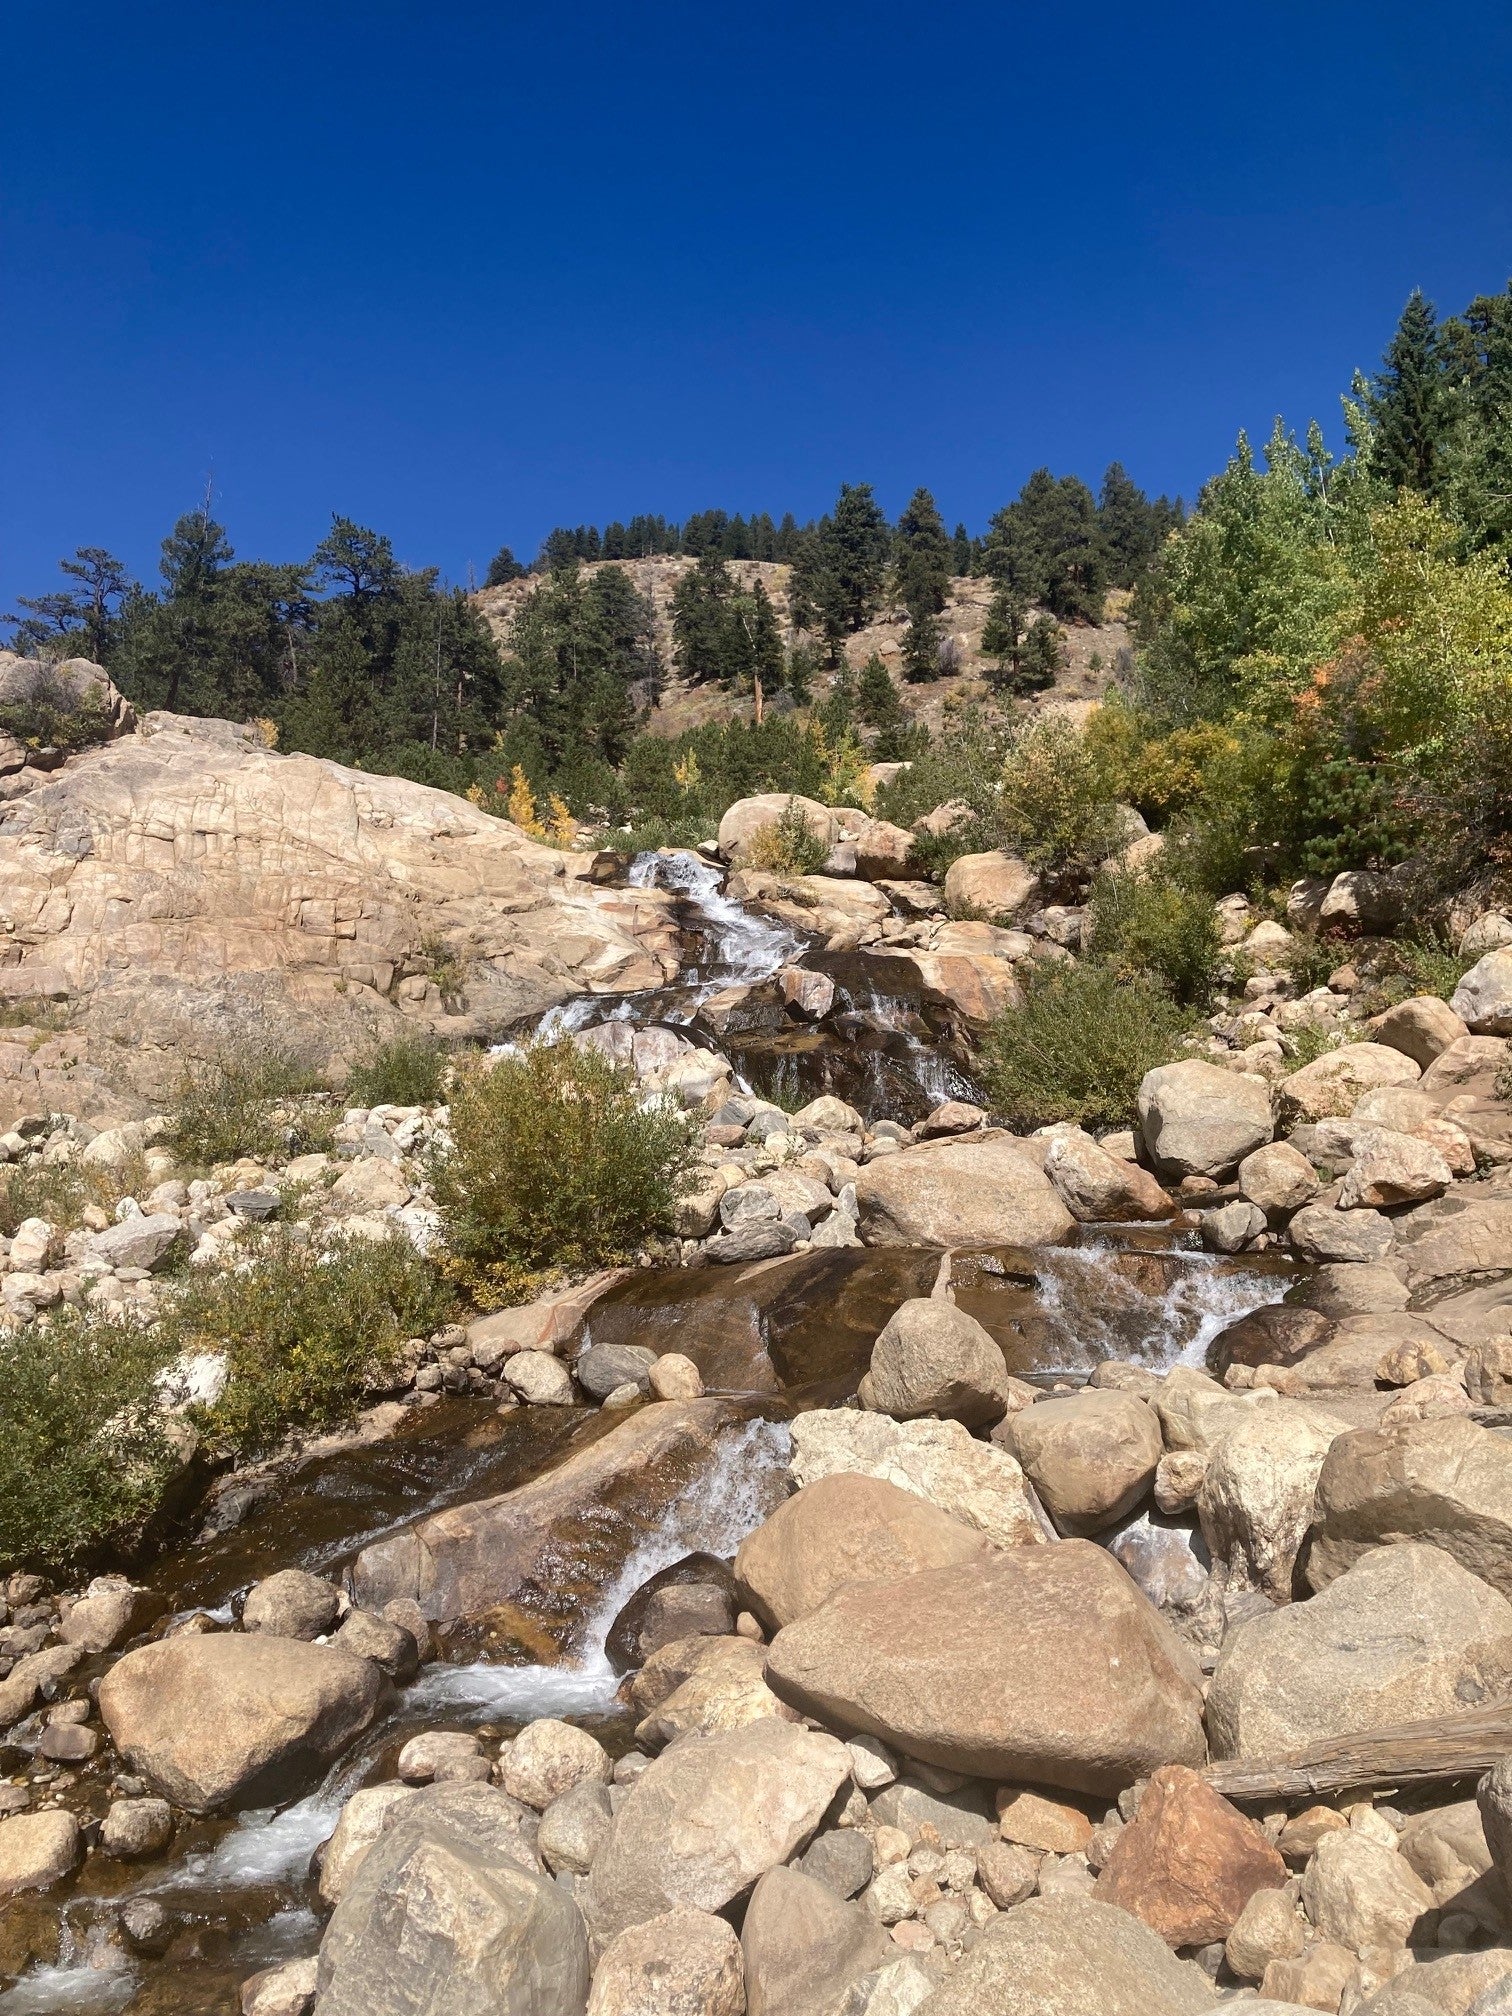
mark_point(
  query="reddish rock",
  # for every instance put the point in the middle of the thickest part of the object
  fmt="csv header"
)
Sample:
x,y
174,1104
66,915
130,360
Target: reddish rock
x,y
1189,1862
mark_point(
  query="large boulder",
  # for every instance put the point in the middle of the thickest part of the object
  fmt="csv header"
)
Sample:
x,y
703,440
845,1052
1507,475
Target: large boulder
x,y
236,1719
1188,1862
727,1689
682,1963
845,1529
1393,1168
471,1557
37,1850
1483,998
1360,1892
307,904
981,1189
709,1817
1404,1635
1091,1456
292,1604
748,816
1333,1084
882,851
1099,1188
1070,1956
1446,1482
1422,1028
991,885
1200,1120
932,1358
1257,1493
444,1916
1044,1664
940,1461
804,1946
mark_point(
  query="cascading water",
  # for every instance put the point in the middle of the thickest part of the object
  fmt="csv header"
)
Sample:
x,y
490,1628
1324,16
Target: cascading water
x,y
1108,1313
741,1486
749,948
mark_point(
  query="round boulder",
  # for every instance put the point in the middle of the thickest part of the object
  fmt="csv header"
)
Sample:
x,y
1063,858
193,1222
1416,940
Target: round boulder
x,y
675,1964
548,1758
1197,1119
932,1358
840,1530
292,1604
1091,1456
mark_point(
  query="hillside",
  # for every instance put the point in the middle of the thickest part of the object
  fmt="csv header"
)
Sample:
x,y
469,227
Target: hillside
x,y
683,706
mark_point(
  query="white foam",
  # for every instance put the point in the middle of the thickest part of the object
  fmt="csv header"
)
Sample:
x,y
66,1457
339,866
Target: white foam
x,y
1107,1314
741,1487
750,948
92,1975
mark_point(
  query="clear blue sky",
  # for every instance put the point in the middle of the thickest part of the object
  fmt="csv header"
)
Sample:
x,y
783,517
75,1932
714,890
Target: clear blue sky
x,y
466,272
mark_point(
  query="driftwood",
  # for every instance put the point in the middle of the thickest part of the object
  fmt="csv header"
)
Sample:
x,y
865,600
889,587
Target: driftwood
x,y
1407,1753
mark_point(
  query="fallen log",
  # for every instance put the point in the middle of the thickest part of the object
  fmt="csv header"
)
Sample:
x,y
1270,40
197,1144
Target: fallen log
x,y
1406,1753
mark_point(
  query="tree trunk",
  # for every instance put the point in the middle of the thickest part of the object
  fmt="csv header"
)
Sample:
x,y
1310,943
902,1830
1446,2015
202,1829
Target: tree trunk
x,y
1407,1753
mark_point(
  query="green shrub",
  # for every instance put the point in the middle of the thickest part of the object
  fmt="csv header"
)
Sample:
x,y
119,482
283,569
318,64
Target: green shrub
x,y
789,847
308,1331
555,1163
228,1104
1152,926
406,1071
55,714
1055,808
1077,1044
59,1191
965,764
84,1455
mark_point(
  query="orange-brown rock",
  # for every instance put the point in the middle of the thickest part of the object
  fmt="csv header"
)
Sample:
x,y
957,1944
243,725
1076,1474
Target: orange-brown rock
x,y
1189,1862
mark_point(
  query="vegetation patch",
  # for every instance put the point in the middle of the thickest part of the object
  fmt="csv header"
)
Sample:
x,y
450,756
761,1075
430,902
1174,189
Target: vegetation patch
x,y
1077,1044
1152,927
557,1162
788,846
407,1070
249,1097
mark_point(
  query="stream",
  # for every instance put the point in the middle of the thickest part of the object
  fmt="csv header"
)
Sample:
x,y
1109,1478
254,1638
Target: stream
x,y
238,1894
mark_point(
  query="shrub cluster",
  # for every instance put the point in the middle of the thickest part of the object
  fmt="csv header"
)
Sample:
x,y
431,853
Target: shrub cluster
x,y
235,1101
556,1162
407,1070
789,846
1077,1044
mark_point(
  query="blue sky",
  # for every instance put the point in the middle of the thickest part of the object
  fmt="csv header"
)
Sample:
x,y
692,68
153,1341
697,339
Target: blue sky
x,y
464,273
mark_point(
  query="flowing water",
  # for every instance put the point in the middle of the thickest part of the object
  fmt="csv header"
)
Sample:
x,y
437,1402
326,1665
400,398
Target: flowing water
x,y
239,1894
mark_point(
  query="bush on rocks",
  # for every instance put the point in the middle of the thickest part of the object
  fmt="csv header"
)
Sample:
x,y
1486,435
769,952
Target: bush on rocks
x,y
83,1451
227,1101
1077,1045
406,1071
556,1162
305,1332
1153,927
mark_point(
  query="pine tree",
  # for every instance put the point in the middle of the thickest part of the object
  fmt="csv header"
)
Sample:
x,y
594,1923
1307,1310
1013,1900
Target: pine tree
x,y
921,647
1003,630
841,565
503,567
1409,404
960,551
921,564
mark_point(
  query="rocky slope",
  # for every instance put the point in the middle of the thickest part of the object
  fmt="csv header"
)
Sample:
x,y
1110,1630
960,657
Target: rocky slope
x,y
183,883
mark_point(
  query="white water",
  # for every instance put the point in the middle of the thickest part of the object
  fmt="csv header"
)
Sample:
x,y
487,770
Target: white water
x,y
1106,1314
750,948
742,1485
92,1974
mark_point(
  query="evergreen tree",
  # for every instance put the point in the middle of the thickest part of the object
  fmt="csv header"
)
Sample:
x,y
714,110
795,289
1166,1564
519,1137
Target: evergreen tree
x,y
1409,404
1478,454
840,567
921,557
1132,526
89,611
1047,545
960,551
1003,631
921,647
356,560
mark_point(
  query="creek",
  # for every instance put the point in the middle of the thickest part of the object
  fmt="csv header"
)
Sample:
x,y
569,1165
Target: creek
x,y
784,1334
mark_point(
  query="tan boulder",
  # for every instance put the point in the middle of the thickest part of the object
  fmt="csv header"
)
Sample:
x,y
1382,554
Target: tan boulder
x,y
548,1758
1044,1665
1091,1456
1447,1483
748,816
726,1690
1391,1168
1071,1956
992,885
980,1189
843,1529
1333,1084
804,1946
1422,1028
940,1461
1188,1862
932,1358
1031,1820
233,1719
882,851
37,1850
706,1819
1099,1188
1278,1178
1267,1929
1483,998
289,895
1198,1119
367,1814
1257,1493
1361,1893
681,1963
1403,1635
